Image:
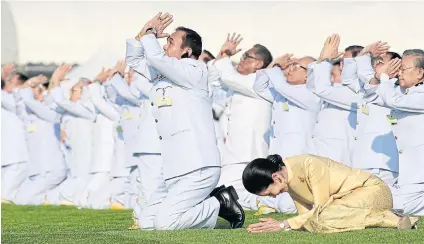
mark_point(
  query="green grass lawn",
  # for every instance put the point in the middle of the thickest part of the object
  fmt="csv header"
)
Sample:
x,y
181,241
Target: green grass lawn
x,y
48,224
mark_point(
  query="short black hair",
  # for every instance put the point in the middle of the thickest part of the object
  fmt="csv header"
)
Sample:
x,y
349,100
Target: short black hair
x,y
22,78
264,53
354,49
257,175
209,56
192,40
394,55
336,62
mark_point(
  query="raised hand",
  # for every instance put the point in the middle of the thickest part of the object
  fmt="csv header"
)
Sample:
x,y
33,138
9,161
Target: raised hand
x,y
120,67
375,49
76,90
102,76
160,22
284,61
36,81
60,73
330,50
230,45
6,71
390,68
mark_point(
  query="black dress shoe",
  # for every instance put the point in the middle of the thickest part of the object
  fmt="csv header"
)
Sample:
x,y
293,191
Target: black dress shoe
x,y
216,190
230,209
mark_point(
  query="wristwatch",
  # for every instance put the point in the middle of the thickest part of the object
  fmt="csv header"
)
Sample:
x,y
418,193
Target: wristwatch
x,y
277,65
153,30
228,52
326,60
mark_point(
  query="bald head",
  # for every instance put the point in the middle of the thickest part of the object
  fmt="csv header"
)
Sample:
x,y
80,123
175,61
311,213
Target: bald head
x,y
298,71
306,60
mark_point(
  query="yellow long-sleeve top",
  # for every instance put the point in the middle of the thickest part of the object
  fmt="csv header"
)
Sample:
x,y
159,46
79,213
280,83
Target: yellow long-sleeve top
x,y
313,180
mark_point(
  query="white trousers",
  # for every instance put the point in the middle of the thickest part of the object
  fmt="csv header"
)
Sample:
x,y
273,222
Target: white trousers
x,y
70,190
122,188
96,193
389,177
182,202
150,175
33,191
12,177
150,168
231,175
409,197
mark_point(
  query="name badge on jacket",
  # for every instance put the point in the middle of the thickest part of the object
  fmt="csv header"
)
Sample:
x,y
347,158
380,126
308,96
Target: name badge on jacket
x,y
31,128
128,115
392,119
285,106
164,101
364,109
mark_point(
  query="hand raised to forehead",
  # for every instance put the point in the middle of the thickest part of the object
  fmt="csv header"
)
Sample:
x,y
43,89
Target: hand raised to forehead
x,y
390,68
376,49
232,43
285,61
160,22
103,75
394,66
331,48
37,80
120,67
60,73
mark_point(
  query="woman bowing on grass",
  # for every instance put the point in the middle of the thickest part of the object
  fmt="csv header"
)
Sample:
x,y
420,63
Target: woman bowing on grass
x,y
329,196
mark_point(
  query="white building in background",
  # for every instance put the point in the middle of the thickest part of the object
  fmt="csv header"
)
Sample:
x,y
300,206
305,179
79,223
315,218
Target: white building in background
x,y
74,31
9,38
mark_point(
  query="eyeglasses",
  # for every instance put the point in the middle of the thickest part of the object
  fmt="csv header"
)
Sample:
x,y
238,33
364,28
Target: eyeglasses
x,y
378,61
296,66
246,56
403,69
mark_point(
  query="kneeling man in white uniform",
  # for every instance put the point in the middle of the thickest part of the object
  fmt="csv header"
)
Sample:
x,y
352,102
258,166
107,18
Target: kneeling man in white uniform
x,y
182,109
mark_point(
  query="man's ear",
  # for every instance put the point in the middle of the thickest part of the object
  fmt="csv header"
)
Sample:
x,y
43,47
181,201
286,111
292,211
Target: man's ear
x,y
421,74
259,64
189,52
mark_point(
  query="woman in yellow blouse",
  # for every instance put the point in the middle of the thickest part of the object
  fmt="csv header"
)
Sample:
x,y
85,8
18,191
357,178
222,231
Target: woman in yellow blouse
x,y
329,196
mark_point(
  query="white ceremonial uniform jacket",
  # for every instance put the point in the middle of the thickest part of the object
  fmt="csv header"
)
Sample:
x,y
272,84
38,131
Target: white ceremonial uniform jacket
x,y
294,112
219,96
334,132
105,130
375,146
130,116
181,108
147,139
249,116
79,130
13,146
42,123
407,118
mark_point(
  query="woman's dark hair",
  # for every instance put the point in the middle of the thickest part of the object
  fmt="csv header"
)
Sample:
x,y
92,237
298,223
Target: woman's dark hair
x,y
257,175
